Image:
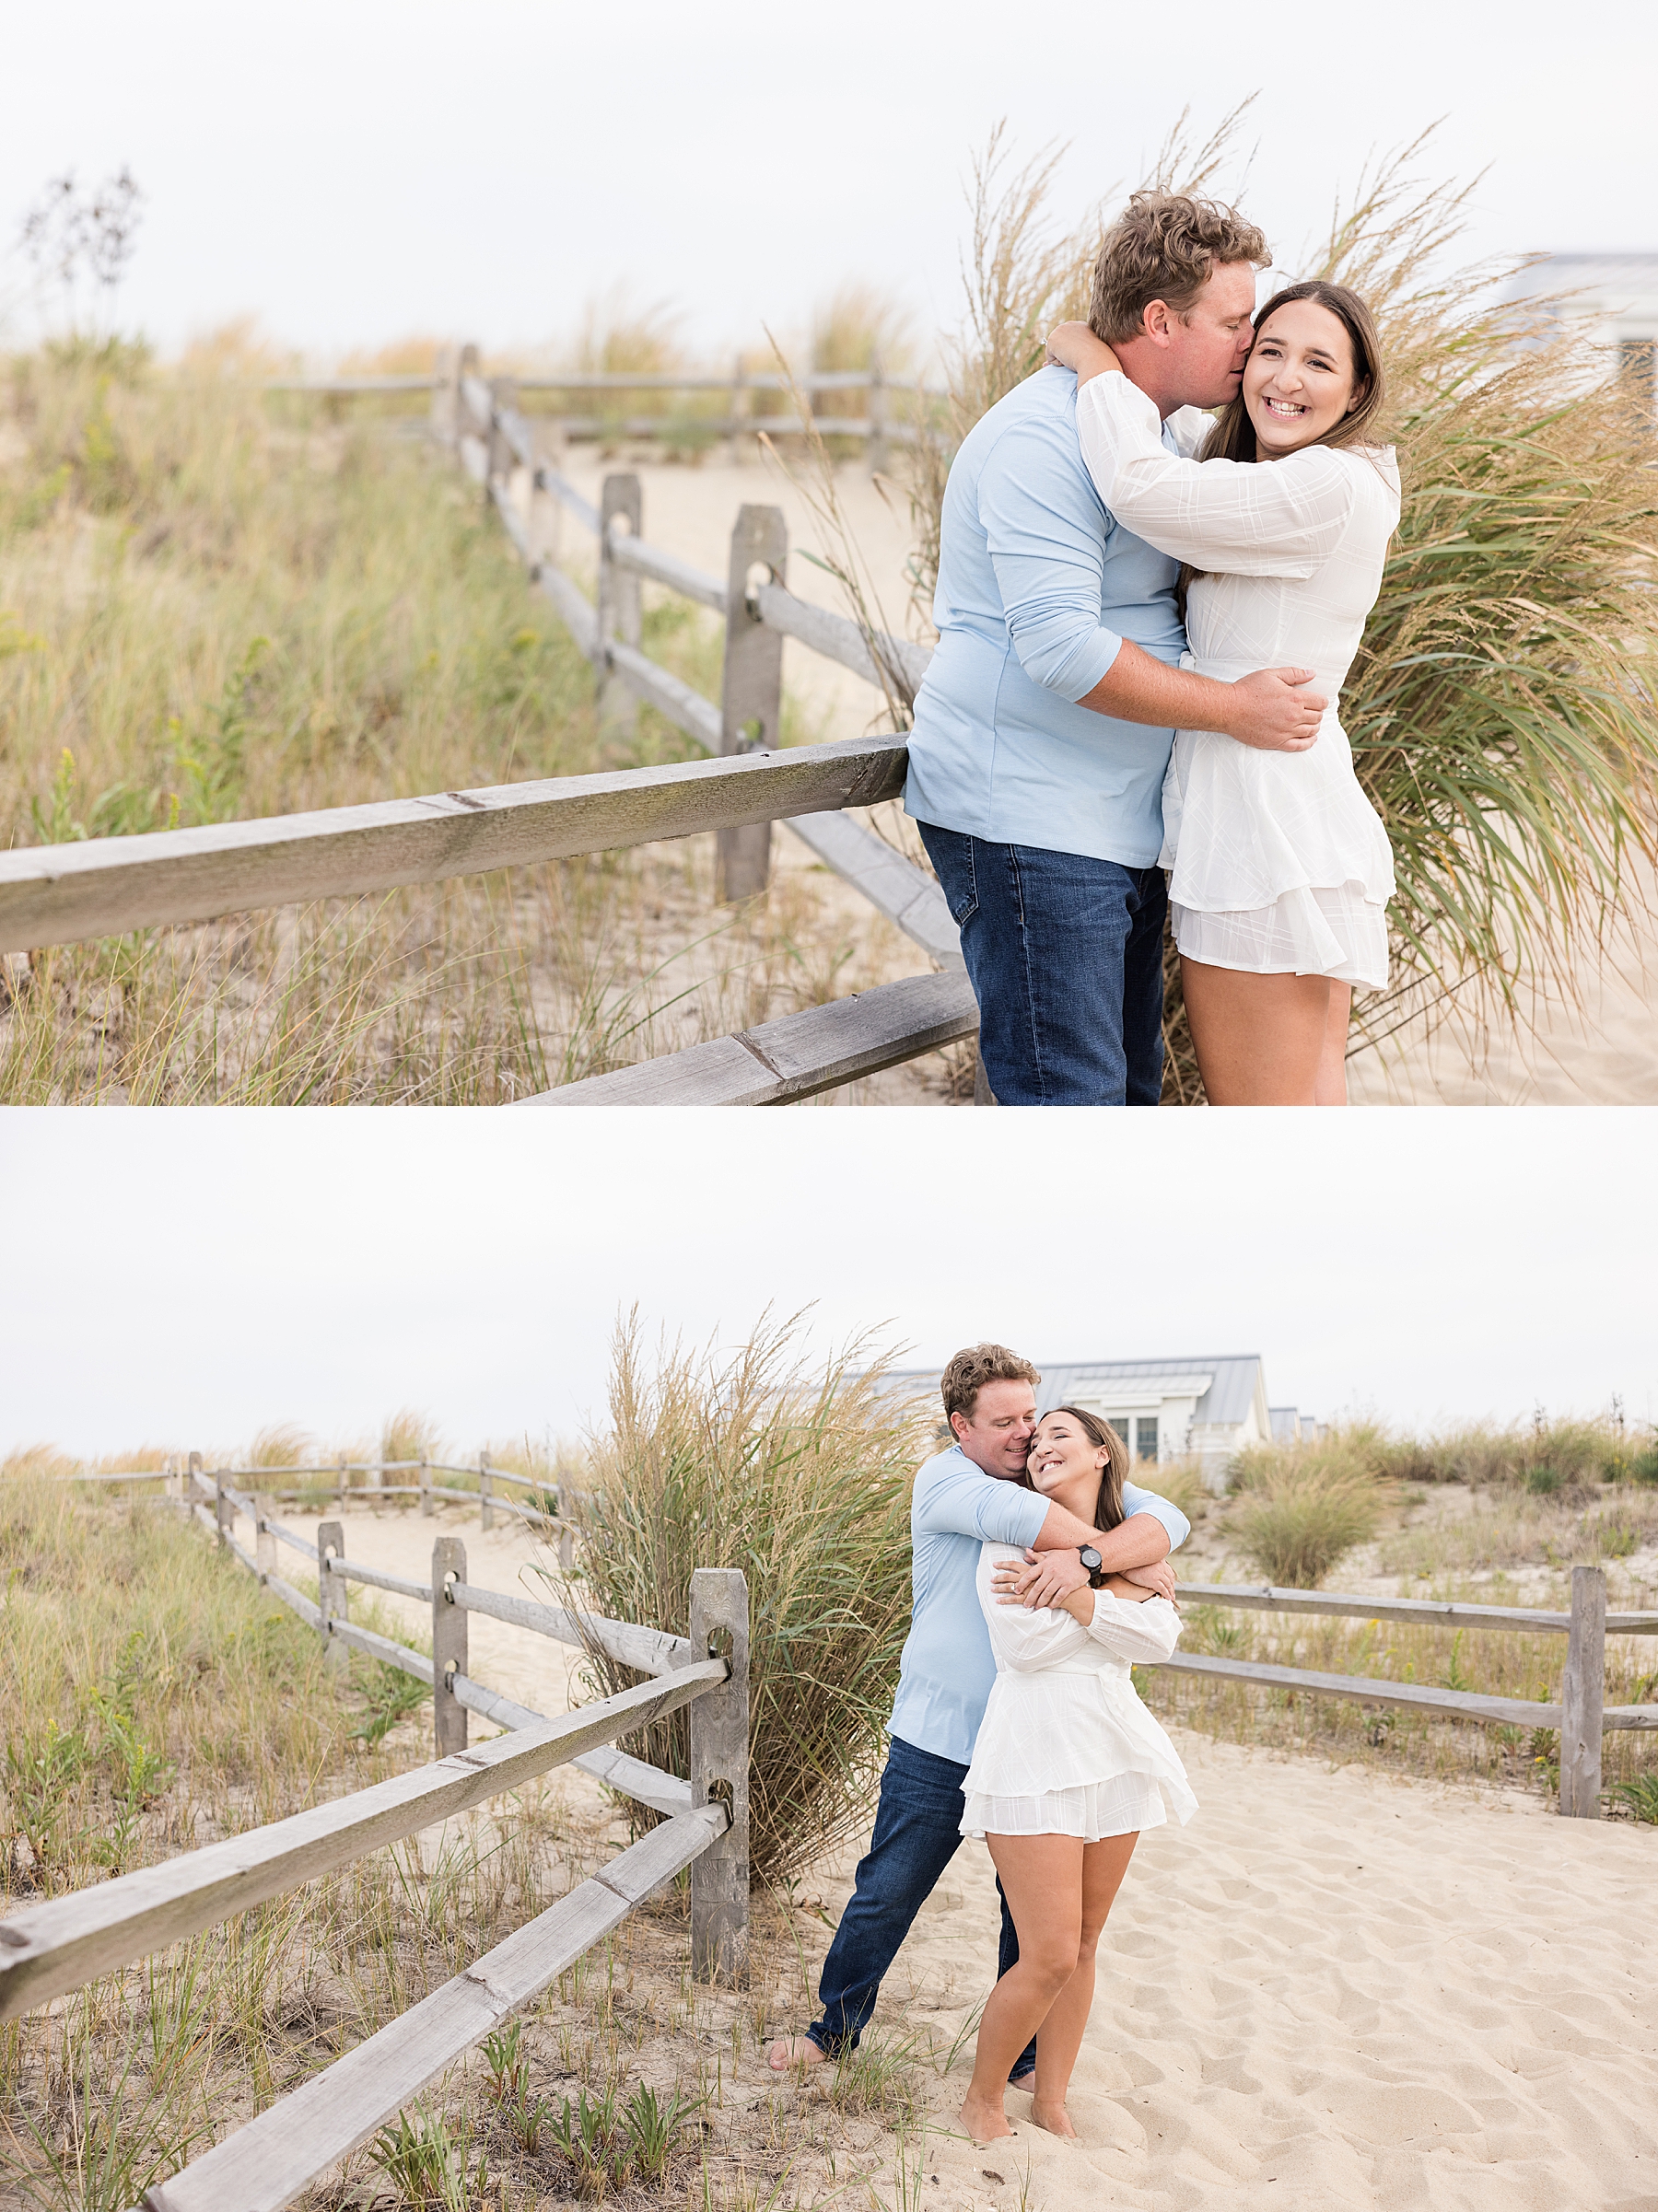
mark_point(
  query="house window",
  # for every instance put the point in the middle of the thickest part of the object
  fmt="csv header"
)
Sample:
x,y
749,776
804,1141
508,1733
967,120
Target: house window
x,y
1138,1432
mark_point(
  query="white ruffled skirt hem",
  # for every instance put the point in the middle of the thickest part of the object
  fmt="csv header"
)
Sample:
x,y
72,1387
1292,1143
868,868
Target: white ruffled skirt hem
x,y
1315,930
1120,1805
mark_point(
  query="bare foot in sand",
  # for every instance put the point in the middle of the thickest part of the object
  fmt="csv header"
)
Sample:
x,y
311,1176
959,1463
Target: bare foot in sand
x,y
794,2051
1053,2117
984,2123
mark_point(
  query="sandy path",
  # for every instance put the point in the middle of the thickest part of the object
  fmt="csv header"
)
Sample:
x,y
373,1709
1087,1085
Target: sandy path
x,y
1332,1989
533,1670
1338,1989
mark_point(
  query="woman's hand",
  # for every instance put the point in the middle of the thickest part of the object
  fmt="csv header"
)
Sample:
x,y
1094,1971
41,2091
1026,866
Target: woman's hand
x,y
1074,345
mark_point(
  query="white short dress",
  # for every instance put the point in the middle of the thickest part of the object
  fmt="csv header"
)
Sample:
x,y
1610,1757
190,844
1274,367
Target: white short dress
x,y
1066,1747
1278,863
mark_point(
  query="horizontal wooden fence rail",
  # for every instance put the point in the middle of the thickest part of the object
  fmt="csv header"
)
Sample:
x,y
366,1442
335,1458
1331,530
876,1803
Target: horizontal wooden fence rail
x,y
47,1950
1580,1715
1434,1612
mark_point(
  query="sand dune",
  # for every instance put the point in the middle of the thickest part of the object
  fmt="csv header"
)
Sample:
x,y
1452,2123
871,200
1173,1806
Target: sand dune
x,y
1331,1989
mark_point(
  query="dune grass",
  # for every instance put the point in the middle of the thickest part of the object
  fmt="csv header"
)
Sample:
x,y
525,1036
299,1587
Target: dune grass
x,y
1300,1511
798,1474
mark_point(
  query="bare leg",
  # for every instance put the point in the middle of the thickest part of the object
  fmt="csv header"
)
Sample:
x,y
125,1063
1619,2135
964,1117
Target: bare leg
x,y
1043,1878
1259,1039
1332,1061
1104,1867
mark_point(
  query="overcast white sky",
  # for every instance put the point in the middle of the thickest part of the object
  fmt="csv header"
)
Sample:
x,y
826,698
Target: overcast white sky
x,y
350,171
185,1278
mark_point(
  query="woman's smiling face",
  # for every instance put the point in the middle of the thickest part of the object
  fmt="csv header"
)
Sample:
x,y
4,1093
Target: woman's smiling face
x,y
1062,1456
1299,381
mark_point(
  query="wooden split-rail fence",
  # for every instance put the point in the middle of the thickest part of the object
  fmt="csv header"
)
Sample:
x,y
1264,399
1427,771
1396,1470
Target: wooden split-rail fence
x,y
758,403
1580,1715
100,886
340,1479
48,1949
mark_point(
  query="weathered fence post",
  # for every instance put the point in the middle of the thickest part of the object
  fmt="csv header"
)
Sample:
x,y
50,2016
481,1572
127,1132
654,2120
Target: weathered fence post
x,y
751,691
566,1548
342,1484
224,1512
265,1543
485,1491
740,412
448,1647
333,1594
1582,1693
720,1769
446,382
425,1479
618,603
469,433
877,444
192,1477
503,393
546,520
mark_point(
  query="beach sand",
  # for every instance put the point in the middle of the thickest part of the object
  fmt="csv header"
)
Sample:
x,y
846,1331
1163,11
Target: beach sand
x,y
1332,1989
1602,1051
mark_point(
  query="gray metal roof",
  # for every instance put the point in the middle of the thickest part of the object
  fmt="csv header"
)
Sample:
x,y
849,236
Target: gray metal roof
x,y
1227,1399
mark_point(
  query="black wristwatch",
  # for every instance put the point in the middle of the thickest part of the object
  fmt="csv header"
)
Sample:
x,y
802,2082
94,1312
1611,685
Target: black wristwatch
x,y
1095,1564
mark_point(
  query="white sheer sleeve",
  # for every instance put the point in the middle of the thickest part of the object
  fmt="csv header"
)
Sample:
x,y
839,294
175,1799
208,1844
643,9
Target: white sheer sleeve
x,y
1026,1641
1282,518
1144,1631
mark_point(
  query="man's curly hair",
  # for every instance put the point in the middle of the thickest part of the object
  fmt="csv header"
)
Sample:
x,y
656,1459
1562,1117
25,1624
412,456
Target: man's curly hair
x,y
970,1370
1164,246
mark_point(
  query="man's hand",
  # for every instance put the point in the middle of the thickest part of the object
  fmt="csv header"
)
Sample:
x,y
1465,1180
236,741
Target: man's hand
x,y
1159,1580
1270,712
1046,1578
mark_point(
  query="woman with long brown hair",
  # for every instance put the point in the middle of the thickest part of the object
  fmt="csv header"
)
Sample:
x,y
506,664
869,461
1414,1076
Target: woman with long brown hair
x,y
1279,868
1067,1769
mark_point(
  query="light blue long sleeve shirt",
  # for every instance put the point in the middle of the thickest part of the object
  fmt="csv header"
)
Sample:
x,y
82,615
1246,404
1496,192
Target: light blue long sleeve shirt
x,y
1038,586
945,1676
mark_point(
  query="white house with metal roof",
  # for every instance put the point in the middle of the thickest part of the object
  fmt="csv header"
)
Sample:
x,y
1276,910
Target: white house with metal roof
x,y
1208,1409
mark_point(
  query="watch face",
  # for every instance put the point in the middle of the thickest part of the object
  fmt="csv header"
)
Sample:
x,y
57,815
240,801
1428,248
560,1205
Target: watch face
x,y
1091,1558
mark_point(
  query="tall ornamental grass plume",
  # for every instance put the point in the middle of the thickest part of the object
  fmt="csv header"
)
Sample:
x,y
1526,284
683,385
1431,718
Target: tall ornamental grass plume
x,y
1302,1507
798,1472
1501,708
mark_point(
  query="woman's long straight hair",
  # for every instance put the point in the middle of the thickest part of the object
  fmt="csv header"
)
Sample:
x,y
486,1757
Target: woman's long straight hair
x,y
1108,1506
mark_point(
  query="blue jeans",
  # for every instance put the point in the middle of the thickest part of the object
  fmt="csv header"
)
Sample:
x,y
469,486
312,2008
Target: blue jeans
x,y
1065,956
917,1831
